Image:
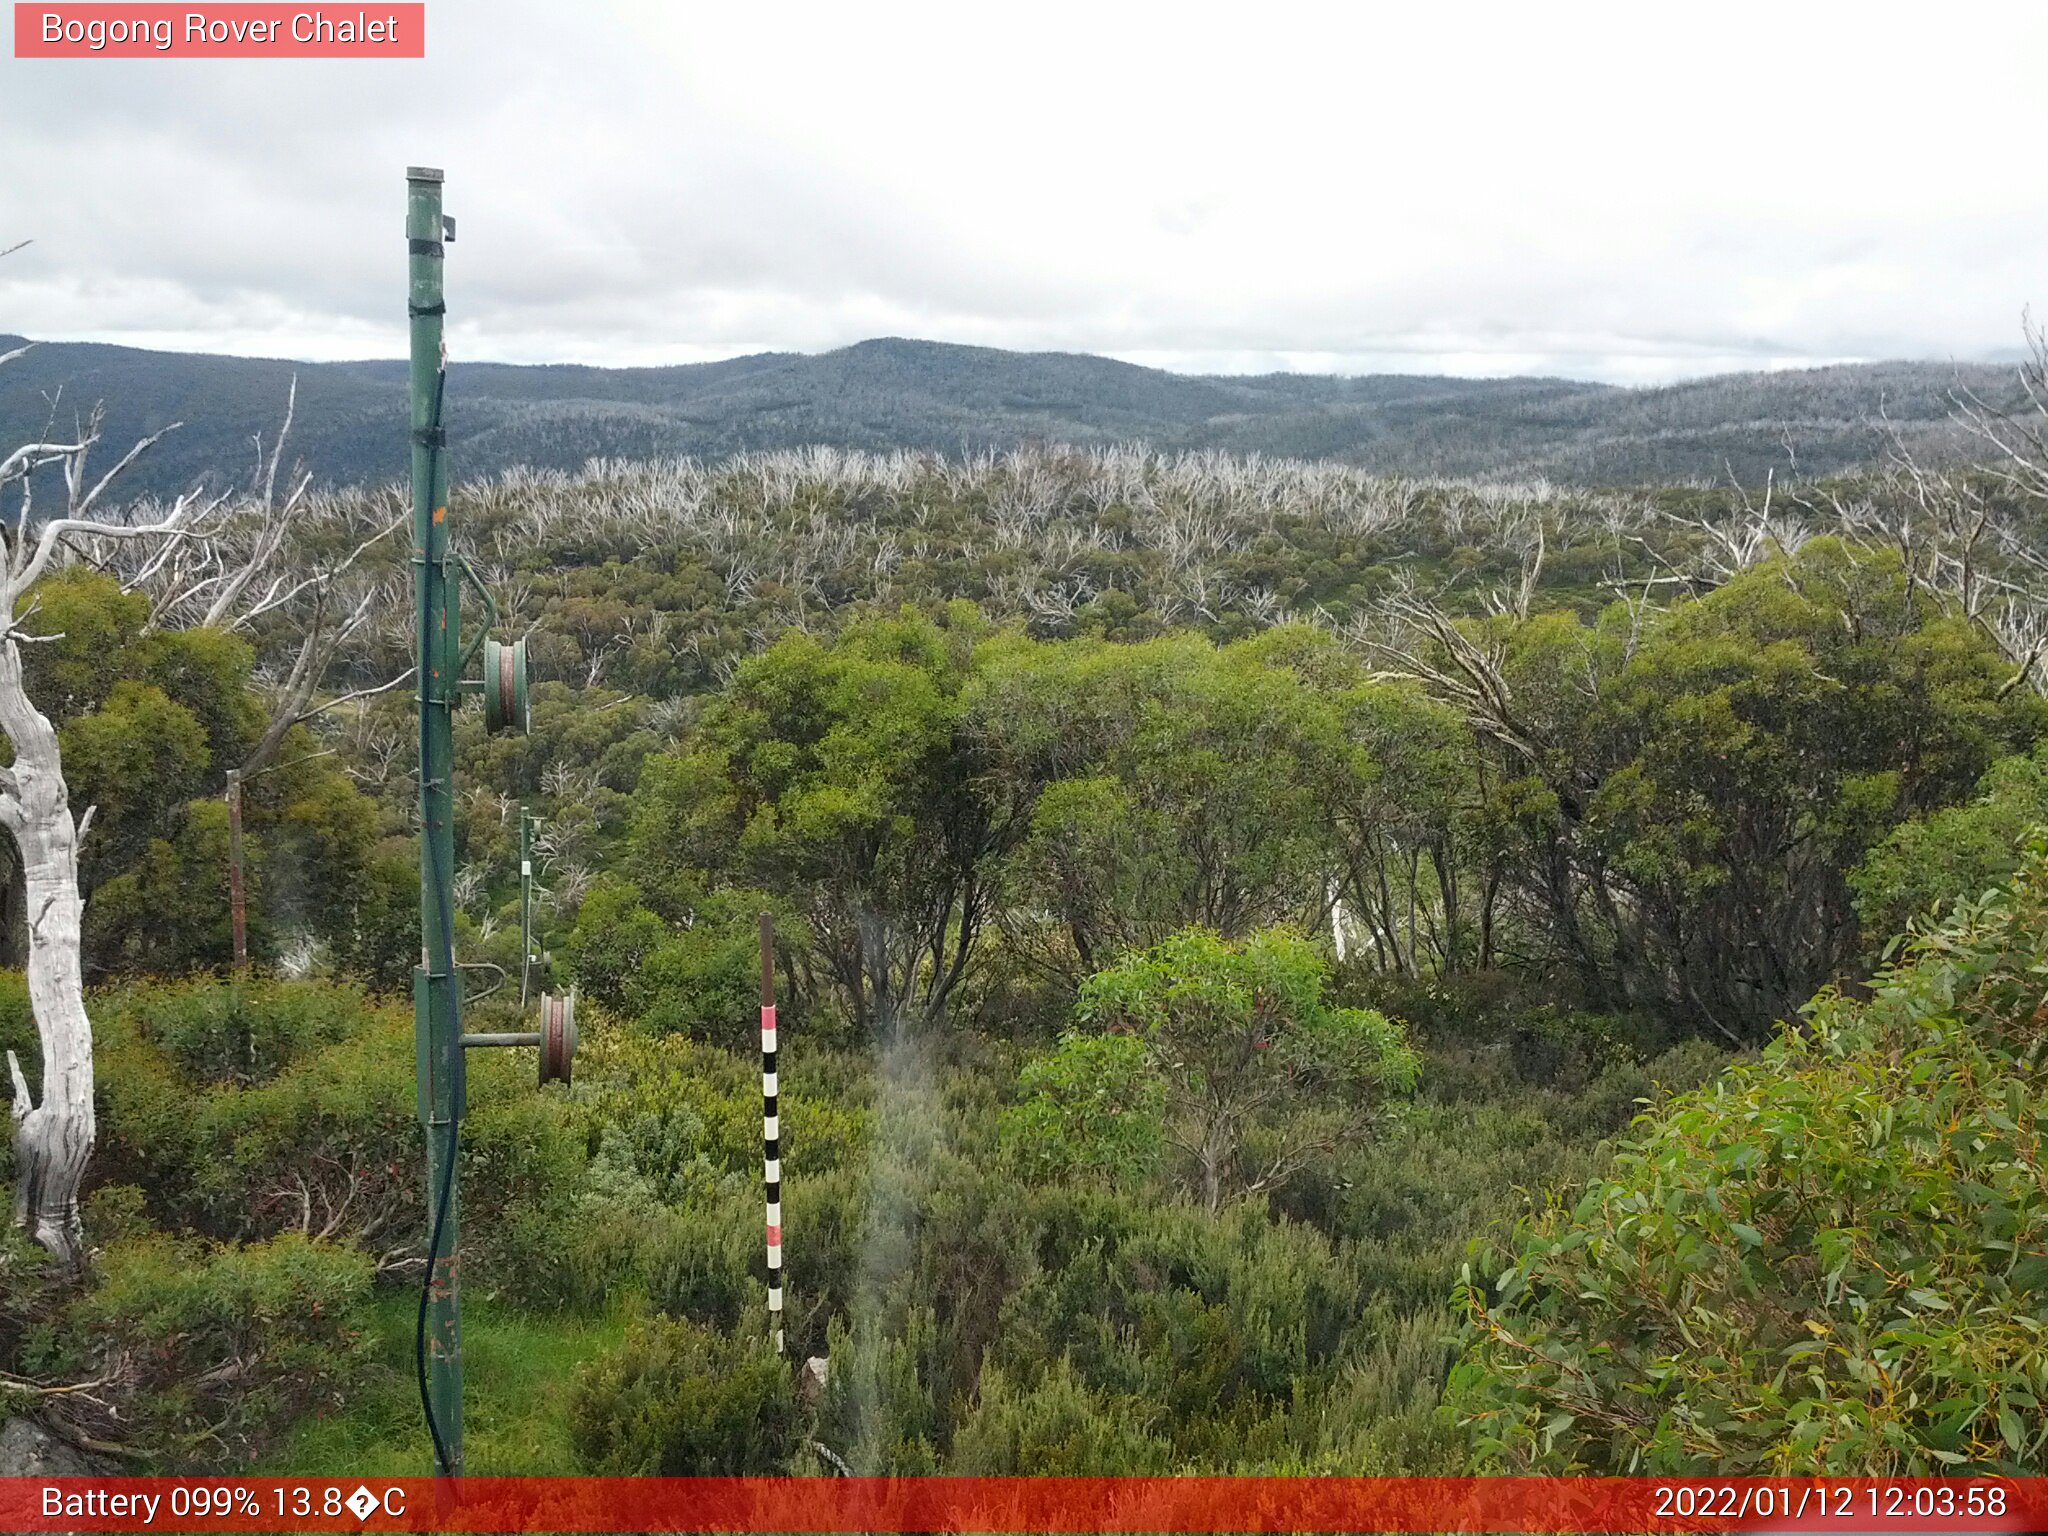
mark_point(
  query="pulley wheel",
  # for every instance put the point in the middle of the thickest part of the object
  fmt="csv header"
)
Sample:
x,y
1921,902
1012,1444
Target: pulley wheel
x,y
505,687
557,1036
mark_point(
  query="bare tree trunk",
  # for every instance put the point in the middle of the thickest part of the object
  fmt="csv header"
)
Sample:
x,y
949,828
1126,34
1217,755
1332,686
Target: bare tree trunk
x,y
53,1139
1218,1143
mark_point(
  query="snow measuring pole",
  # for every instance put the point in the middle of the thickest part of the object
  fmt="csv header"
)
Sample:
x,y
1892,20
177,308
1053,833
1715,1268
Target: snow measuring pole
x,y
437,984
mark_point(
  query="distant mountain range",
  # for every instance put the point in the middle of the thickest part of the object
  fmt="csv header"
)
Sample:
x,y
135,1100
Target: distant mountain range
x,y
894,393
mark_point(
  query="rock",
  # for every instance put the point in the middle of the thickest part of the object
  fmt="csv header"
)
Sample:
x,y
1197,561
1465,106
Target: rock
x,y
810,1382
29,1450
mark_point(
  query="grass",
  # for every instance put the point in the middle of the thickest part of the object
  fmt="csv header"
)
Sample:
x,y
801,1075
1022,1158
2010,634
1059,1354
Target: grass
x,y
516,1365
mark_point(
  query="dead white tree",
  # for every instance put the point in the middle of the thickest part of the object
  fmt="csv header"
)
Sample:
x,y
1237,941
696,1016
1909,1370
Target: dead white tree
x,y
53,1135
295,571
296,575
1968,531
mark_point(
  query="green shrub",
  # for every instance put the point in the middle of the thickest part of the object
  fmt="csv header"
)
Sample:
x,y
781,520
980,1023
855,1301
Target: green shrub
x,y
1215,1322
701,980
381,942
233,1032
1832,1260
220,1346
117,1213
1258,1073
706,1264
878,1411
684,1116
18,1025
607,950
825,1222
1057,1428
323,1139
17,1034
1093,1108
1380,1415
1488,1031
32,1288
677,1400
1961,850
524,1160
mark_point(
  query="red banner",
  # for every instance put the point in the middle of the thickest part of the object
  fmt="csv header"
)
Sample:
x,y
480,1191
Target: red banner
x,y
237,31
1051,1504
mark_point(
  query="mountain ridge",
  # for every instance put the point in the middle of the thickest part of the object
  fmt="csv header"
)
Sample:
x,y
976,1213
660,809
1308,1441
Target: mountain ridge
x,y
897,392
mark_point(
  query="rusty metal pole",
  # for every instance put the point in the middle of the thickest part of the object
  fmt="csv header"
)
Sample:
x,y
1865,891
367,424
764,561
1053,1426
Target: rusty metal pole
x,y
238,894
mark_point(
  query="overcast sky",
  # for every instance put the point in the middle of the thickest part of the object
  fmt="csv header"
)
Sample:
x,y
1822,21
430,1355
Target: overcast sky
x,y
1632,193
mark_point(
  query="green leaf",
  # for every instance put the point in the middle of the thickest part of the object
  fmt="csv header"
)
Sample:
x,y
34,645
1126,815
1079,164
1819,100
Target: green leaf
x,y
2030,1275
2011,1429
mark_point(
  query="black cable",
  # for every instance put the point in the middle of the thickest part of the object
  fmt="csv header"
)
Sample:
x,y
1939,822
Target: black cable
x,y
444,898
426,1293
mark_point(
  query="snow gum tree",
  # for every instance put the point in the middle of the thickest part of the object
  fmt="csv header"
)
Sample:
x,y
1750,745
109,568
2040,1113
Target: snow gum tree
x,y
53,1132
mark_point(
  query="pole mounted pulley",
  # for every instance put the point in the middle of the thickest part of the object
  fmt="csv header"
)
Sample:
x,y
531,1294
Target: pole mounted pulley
x,y
502,675
504,688
556,1037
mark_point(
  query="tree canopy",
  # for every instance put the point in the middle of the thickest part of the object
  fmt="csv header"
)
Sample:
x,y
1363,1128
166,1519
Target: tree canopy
x,y
1832,1259
150,720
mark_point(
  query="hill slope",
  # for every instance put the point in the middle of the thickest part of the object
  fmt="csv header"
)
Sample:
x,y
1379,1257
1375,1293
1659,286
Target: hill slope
x,y
894,393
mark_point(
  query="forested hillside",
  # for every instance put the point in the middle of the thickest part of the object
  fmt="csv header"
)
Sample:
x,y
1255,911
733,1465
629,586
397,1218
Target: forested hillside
x,y
893,394
1230,915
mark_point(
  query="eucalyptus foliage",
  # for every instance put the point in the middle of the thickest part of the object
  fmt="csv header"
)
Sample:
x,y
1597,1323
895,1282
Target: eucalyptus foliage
x,y
1832,1259
1258,1072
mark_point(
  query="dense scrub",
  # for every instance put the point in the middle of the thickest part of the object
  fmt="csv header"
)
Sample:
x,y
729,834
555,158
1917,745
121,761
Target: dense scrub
x,y
970,1291
1210,896
1834,1258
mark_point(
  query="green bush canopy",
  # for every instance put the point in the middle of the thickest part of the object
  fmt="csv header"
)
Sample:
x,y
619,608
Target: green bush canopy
x,y
1832,1259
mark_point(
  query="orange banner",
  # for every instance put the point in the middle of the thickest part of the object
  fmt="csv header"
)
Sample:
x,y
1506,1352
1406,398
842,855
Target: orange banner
x,y
237,31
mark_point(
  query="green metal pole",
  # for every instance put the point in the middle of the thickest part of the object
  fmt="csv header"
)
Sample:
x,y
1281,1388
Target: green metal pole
x,y
437,1003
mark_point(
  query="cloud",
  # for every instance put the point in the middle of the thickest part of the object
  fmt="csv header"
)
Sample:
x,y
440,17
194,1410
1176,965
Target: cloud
x,y
1611,192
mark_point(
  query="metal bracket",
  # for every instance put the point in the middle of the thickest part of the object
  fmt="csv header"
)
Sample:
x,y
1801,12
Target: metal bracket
x,y
483,590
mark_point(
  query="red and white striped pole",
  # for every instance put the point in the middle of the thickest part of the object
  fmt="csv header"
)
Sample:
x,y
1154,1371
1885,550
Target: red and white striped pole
x,y
771,1128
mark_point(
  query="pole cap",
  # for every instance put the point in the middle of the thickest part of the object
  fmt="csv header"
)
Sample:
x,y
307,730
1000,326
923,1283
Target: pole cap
x,y
423,173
